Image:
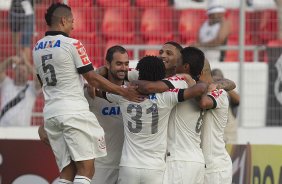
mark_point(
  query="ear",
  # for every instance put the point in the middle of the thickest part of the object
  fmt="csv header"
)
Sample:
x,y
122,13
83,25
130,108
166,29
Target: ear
x,y
187,68
63,21
108,65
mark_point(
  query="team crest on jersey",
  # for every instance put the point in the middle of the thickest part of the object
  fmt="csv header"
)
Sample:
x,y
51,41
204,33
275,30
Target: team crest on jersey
x,y
102,143
82,52
48,44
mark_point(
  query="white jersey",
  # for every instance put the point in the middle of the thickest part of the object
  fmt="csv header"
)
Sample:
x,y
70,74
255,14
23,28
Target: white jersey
x,y
59,61
206,34
184,132
215,120
20,114
145,127
110,119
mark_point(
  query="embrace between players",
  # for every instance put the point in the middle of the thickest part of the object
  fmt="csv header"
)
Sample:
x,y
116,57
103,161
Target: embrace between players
x,y
163,126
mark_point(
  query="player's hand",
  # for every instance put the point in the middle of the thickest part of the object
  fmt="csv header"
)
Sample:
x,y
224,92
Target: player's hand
x,y
90,90
133,95
43,135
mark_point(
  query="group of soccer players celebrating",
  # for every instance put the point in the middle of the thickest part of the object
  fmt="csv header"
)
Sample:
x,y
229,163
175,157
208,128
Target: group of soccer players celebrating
x,y
164,125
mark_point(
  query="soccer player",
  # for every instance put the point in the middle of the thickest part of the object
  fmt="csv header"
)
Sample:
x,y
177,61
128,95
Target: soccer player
x,y
109,117
73,131
218,161
185,160
145,126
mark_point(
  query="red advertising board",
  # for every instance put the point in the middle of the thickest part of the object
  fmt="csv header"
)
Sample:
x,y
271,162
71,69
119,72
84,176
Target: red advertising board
x,y
26,162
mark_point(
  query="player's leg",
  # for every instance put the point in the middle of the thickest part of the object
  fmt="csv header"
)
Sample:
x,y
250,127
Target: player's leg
x,y
152,176
105,176
60,149
192,172
129,175
85,140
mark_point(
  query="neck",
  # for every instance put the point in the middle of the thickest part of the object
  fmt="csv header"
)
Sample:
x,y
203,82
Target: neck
x,y
170,73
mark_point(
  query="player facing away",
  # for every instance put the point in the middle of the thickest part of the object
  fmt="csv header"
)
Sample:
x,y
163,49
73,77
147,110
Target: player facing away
x,y
218,161
185,160
61,64
145,126
109,117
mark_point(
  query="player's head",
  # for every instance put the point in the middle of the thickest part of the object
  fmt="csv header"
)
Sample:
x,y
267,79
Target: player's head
x,y
151,68
59,16
192,62
215,13
117,62
170,54
206,73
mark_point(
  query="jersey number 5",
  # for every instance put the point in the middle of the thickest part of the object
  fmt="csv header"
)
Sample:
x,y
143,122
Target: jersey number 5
x,y
51,69
137,118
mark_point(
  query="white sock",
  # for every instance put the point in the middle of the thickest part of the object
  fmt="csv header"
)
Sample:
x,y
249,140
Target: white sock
x,y
63,181
81,180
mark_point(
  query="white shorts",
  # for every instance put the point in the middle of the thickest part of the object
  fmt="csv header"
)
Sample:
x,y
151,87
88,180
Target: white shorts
x,y
105,176
182,172
75,137
131,175
221,177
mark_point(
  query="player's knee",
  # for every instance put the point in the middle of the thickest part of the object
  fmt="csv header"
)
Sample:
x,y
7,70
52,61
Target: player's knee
x,y
85,168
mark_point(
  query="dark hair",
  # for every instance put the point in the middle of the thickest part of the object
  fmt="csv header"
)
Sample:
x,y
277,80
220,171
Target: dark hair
x,y
195,58
112,50
151,68
49,15
175,44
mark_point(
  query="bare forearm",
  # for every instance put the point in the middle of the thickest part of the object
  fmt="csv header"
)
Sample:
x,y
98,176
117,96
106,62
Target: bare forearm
x,y
147,87
225,84
105,85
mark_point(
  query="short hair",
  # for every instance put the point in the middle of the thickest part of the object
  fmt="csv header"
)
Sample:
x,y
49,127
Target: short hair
x,y
112,50
175,44
195,58
151,68
49,15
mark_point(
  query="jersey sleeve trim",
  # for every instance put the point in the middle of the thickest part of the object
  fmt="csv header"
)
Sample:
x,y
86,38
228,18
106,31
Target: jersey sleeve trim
x,y
214,101
169,84
181,95
85,69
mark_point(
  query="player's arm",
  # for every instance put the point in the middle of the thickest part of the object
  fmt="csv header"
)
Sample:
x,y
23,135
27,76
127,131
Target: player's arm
x,y
197,90
100,82
149,87
225,84
43,135
207,102
85,68
102,70
6,64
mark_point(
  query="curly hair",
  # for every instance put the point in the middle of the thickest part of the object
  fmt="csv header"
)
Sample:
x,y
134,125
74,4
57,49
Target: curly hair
x,y
151,68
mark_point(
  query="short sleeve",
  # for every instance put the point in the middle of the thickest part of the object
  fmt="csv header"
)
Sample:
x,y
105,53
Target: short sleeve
x,y
80,57
170,97
177,82
113,98
219,98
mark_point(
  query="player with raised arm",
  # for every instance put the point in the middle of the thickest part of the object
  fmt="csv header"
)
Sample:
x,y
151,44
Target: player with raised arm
x,y
74,133
145,126
218,162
